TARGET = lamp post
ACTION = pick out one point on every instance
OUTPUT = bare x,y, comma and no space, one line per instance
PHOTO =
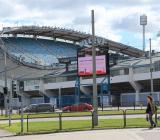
5,76
95,104
143,22
60,98
151,67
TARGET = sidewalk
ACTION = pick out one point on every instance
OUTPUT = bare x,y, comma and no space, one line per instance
114,134
4,133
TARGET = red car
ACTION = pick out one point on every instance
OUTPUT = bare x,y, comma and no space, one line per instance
79,107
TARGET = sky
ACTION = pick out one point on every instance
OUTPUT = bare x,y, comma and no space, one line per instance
117,20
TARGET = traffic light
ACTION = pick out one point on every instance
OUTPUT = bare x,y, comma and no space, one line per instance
5,90
21,86
14,89
20,98
104,88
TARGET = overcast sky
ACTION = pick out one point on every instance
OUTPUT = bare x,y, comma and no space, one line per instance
117,20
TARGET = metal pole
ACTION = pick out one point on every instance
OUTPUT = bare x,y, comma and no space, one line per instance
10,97
102,101
60,98
144,38
5,76
109,91
102,96
21,110
78,93
60,121
95,106
22,119
151,68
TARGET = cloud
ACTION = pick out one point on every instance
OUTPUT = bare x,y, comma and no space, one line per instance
6,9
74,4
127,23
154,45
81,20
45,5
114,19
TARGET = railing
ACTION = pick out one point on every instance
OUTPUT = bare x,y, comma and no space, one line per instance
58,120
59,117
56,115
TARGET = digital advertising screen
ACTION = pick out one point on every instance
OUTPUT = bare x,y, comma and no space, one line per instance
85,66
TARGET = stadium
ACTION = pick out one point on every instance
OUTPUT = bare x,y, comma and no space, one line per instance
45,59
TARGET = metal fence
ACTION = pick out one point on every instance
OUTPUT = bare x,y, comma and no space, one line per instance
59,118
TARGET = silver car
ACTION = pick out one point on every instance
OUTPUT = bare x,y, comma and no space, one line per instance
43,107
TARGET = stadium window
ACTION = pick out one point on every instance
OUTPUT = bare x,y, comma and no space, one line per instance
142,69
121,72
114,72
50,80
71,78
61,79
157,66
126,71
36,82
31,82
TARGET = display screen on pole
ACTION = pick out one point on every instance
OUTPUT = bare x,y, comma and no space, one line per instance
85,66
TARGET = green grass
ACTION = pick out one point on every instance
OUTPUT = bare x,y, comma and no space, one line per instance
72,125
15,116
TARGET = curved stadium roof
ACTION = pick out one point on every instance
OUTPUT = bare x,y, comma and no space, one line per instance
71,35
60,33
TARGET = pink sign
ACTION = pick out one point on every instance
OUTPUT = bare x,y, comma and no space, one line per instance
85,67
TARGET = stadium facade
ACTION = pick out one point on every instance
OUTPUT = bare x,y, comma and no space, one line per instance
45,59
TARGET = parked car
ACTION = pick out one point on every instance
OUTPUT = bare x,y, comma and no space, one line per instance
78,107
43,107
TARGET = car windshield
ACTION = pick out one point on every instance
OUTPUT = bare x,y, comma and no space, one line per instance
31,106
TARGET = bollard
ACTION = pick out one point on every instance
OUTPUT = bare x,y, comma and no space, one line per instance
27,123
17,111
60,121
1,112
124,117
102,107
156,118
118,107
141,106
92,120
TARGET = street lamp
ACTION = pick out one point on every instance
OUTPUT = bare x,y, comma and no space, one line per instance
143,22
60,98
151,67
